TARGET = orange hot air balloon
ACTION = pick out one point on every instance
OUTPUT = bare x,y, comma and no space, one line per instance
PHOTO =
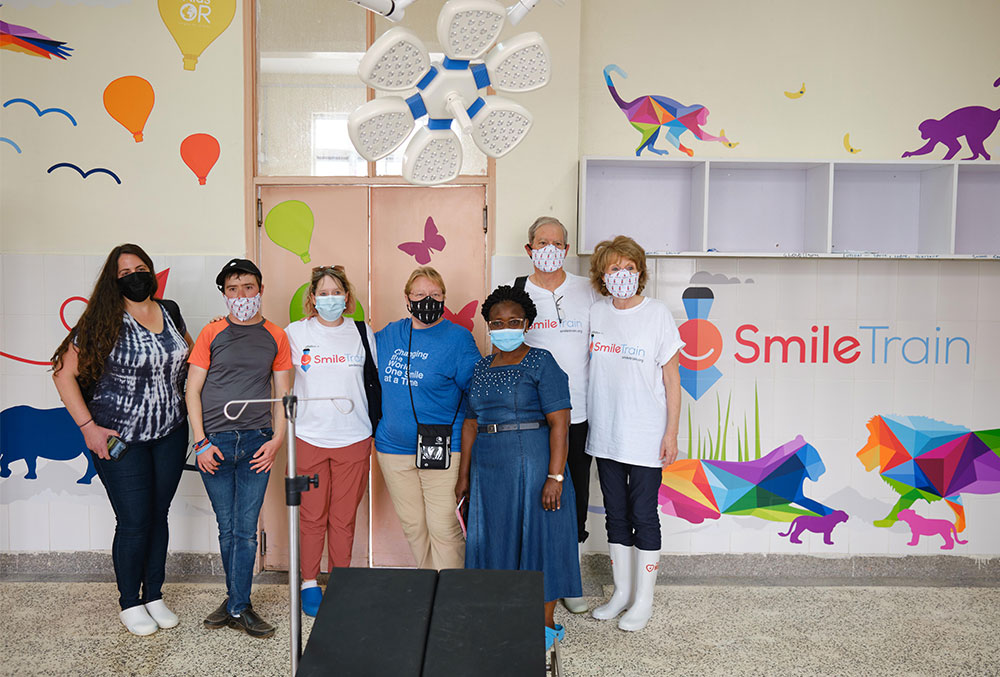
129,100
200,152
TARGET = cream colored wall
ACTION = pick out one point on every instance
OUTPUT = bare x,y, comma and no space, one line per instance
159,202
874,70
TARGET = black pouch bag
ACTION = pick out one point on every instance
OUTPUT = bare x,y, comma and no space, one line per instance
433,439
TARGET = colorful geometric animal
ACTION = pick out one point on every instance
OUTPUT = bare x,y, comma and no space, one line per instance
651,113
769,487
30,434
818,524
975,123
922,526
28,41
922,458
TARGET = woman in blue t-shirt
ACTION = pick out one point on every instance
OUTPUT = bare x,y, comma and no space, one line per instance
121,372
426,363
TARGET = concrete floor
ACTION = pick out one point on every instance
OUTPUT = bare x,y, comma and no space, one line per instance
72,628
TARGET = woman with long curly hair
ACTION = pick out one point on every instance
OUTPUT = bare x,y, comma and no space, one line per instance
120,372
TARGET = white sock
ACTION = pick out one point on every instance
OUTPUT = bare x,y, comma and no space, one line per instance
310,584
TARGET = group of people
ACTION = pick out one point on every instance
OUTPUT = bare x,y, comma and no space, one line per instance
499,447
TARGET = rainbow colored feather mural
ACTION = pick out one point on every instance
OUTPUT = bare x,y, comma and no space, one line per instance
770,487
921,458
29,41
651,113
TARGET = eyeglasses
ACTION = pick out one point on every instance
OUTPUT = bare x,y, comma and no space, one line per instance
437,296
559,310
328,269
512,323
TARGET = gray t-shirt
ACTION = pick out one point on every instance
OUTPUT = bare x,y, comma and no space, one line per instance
239,360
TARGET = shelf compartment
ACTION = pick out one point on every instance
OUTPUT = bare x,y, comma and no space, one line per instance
977,215
658,203
768,207
894,209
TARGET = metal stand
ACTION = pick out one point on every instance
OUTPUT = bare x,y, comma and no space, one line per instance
294,486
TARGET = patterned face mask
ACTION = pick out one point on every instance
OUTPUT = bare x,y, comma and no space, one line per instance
622,284
243,307
428,309
549,258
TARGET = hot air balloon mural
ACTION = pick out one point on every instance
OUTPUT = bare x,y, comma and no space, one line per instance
200,152
194,24
129,100
289,224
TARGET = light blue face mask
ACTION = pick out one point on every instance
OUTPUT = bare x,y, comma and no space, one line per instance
507,339
330,308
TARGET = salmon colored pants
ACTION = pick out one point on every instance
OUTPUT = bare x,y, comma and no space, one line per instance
329,512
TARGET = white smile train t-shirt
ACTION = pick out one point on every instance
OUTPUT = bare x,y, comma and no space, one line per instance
329,362
626,399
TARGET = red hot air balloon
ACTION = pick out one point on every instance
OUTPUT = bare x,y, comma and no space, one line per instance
200,152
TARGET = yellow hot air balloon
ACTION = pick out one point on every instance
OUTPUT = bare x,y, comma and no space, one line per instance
195,24
289,224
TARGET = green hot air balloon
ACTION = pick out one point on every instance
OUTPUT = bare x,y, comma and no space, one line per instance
296,310
289,224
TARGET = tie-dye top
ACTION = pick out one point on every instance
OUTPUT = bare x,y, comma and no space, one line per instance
141,392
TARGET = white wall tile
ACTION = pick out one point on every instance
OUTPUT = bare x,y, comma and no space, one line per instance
64,276
29,389
4,523
69,527
23,284
917,290
102,526
837,290
758,299
797,285
867,539
877,285
22,337
989,290
958,290
711,537
29,526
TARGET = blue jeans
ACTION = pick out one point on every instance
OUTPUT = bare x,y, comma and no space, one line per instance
140,487
630,498
237,492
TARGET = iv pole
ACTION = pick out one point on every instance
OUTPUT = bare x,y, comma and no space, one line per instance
294,486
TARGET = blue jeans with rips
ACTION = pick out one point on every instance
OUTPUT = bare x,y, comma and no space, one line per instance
237,493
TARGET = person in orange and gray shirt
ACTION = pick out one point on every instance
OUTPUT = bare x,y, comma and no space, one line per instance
236,359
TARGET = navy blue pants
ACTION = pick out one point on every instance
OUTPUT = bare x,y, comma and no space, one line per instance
630,493
579,469
140,487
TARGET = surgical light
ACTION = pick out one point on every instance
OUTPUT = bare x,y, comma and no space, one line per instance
390,9
447,90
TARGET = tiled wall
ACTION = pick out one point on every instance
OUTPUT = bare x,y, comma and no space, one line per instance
828,404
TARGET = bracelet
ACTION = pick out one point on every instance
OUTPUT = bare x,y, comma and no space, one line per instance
200,447
89,420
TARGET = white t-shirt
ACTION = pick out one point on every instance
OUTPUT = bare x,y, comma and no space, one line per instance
329,362
627,402
563,327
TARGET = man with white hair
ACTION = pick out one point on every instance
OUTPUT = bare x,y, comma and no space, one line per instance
562,327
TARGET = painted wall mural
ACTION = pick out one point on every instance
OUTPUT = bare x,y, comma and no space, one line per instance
29,41
129,100
27,434
290,225
432,240
975,123
195,24
652,113
200,152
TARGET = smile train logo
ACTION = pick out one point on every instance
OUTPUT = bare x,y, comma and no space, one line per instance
702,343
306,360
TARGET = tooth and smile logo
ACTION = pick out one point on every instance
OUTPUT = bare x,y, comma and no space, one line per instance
702,343
306,361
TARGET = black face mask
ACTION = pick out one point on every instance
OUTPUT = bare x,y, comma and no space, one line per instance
137,286
428,309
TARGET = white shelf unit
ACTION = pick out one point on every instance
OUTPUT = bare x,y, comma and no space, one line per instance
830,209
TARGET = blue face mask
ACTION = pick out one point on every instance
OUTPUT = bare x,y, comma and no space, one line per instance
330,308
507,339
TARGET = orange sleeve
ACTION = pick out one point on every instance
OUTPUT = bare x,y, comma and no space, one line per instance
201,352
283,358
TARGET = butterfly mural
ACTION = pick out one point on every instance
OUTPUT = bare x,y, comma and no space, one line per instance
433,240
464,317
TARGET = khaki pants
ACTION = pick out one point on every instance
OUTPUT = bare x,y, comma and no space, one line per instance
425,504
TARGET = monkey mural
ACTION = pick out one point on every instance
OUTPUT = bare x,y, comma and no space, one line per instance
651,113
975,123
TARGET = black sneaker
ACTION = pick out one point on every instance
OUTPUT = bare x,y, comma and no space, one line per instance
252,624
218,618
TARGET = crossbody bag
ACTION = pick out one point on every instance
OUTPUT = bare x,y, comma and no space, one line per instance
433,439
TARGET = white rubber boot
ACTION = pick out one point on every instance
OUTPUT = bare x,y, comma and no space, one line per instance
646,564
164,617
622,567
576,605
138,621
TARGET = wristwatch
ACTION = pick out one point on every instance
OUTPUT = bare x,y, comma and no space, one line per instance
557,478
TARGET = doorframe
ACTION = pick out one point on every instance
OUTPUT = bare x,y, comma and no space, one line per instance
252,181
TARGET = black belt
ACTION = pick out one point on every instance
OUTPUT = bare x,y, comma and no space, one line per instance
507,427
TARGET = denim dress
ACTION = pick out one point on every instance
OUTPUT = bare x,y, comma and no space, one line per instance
507,526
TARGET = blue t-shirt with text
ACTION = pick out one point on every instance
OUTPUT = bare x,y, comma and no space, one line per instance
441,362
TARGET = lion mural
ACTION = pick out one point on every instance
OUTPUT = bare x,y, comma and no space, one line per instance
921,458
769,487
